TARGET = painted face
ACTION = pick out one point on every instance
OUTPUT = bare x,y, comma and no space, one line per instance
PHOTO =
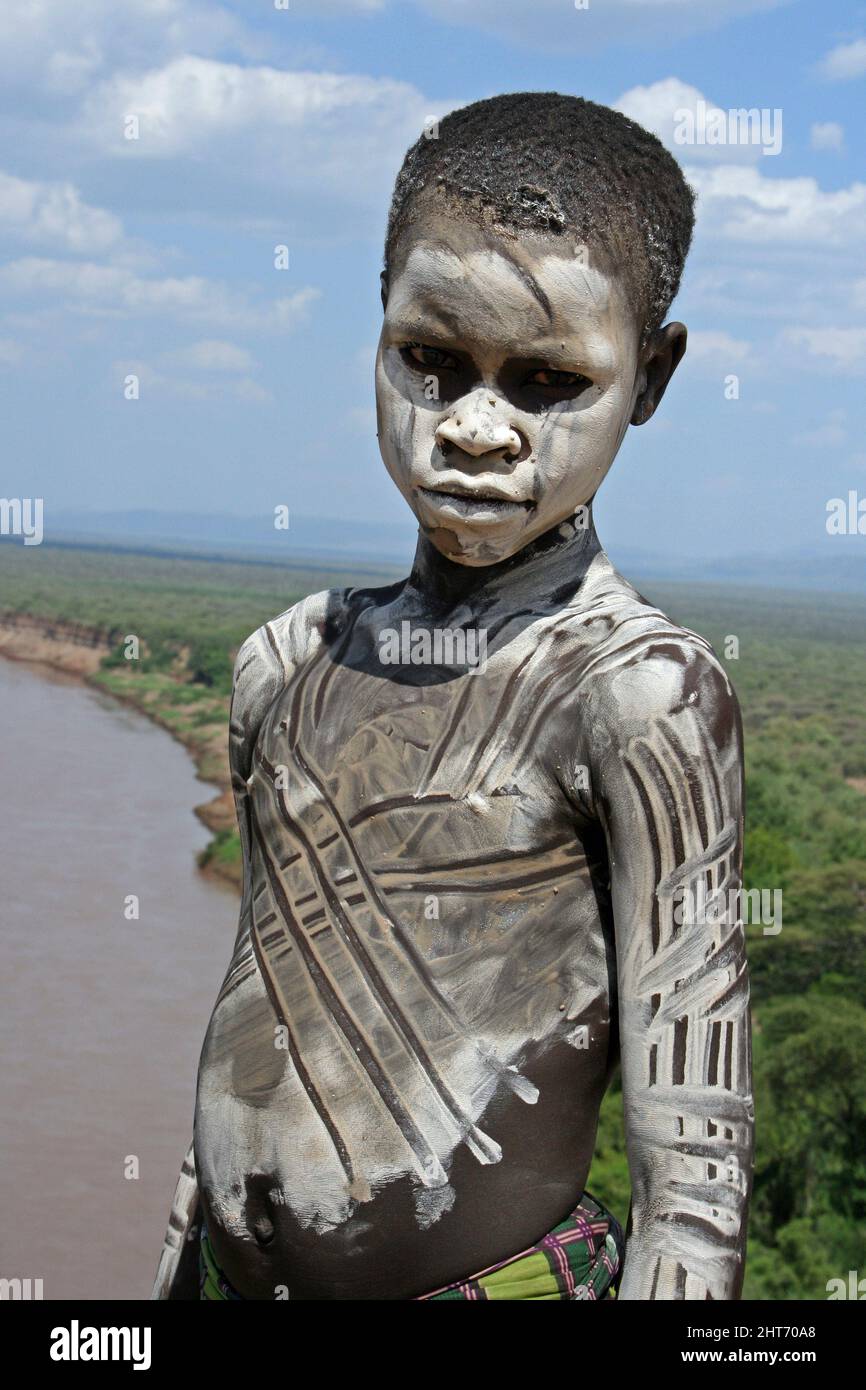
506,376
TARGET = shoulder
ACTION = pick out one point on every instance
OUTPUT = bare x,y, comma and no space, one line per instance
662,674
646,666
652,692
282,642
266,659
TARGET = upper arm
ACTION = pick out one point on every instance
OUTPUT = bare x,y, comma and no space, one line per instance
259,674
263,667
668,778
668,788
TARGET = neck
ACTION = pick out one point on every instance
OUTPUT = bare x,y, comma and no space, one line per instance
559,559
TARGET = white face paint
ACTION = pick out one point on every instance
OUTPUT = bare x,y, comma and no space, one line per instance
506,376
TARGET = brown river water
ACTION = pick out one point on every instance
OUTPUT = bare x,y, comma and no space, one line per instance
101,1018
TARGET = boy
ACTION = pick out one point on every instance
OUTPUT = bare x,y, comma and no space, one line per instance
471,803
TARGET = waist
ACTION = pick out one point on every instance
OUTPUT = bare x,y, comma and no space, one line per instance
392,1233
579,1259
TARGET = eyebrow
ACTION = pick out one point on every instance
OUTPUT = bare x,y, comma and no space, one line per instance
429,313
452,338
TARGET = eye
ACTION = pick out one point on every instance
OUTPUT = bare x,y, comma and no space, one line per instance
562,383
431,358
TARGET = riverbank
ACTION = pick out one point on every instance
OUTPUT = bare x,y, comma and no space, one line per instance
194,716
96,819
799,672
73,607
71,647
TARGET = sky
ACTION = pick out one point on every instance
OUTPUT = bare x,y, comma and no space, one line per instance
153,154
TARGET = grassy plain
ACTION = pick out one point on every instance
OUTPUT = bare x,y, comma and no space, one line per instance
799,667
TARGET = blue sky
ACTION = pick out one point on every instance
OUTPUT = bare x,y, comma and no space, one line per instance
260,127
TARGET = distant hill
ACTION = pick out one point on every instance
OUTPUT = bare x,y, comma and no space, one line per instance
837,565
250,536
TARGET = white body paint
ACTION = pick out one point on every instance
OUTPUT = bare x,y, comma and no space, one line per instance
419,1039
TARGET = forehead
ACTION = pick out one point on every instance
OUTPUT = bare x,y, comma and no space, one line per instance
463,283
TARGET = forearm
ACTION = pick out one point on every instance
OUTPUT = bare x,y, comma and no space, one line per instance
177,1274
690,1155
686,1057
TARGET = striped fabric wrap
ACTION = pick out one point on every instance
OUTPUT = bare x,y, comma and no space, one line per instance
580,1259
214,1287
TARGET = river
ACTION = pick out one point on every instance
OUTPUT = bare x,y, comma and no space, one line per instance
101,1017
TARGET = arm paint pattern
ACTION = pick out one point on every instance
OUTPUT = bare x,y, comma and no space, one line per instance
672,806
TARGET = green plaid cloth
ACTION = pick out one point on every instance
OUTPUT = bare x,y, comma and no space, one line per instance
581,1258
214,1287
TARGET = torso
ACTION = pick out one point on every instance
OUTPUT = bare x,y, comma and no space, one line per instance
401,1079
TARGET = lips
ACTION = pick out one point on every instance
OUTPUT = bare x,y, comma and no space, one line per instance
465,502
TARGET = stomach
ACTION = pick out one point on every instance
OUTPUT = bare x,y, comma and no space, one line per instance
327,1175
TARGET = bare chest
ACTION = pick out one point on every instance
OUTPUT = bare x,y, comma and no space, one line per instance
423,915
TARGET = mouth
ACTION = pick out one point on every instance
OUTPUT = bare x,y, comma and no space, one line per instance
474,504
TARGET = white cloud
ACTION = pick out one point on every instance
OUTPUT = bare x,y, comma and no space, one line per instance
844,347
114,291
192,100
556,25
745,205
677,113
721,347
846,61
164,379
323,9
826,135
54,214
65,48
212,355
335,139
732,282
830,435
248,390
654,106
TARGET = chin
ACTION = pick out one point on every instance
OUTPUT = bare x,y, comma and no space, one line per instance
475,551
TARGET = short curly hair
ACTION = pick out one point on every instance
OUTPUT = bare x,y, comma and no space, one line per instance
554,163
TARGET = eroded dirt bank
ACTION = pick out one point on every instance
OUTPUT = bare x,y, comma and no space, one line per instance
79,651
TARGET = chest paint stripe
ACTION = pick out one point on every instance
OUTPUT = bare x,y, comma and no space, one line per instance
379,905
429,1164
485,1150
500,885
398,803
485,861
279,1006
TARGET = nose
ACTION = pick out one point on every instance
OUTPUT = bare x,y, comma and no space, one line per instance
478,425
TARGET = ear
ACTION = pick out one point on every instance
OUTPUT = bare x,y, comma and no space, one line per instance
661,355
383,285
